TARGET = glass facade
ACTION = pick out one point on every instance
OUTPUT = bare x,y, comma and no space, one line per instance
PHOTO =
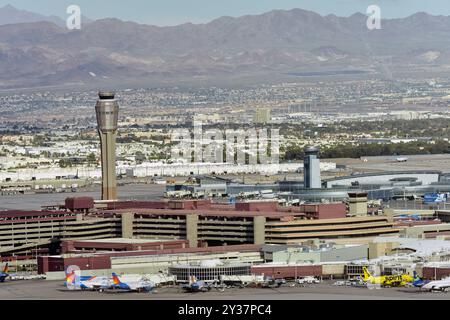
208,273
353,271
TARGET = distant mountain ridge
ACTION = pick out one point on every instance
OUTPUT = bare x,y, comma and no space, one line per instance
11,15
111,51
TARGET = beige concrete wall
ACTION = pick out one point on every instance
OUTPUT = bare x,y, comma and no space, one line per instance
381,249
358,208
376,250
418,231
192,230
127,225
335,270
259,230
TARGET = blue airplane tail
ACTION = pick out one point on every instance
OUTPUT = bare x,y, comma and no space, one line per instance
119,284
418,282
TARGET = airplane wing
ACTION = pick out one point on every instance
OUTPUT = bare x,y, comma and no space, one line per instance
136,285
97,283
444,283
440,285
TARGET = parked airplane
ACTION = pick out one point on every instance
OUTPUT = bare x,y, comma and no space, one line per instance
434,198
80,278
418,282
438,285
4,274
74,282
134,285
196,286
387,281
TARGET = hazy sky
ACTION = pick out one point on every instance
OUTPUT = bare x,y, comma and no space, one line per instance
171,12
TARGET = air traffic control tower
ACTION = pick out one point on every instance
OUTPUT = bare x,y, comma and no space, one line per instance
311,169
107,110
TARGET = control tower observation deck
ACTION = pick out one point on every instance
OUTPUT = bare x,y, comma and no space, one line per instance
107,111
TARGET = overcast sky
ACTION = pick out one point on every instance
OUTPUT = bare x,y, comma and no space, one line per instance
172,12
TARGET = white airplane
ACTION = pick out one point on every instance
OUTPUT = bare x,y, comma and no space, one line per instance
133,285
438,285
73,282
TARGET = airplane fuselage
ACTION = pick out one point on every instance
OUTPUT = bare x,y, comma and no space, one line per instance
391,281
197,286
439,285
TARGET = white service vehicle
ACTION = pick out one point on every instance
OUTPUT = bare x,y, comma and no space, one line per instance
308,280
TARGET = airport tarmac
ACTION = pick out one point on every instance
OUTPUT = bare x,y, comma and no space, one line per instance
35,201
438,162
55,290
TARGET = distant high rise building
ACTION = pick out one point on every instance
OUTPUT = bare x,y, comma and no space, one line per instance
311,169
107,110
262,116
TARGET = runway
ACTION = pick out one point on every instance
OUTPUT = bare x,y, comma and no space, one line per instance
438,162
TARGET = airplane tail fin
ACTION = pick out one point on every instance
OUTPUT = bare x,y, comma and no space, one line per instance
116,280
6,268
417,281
192,279
367,274
71,279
